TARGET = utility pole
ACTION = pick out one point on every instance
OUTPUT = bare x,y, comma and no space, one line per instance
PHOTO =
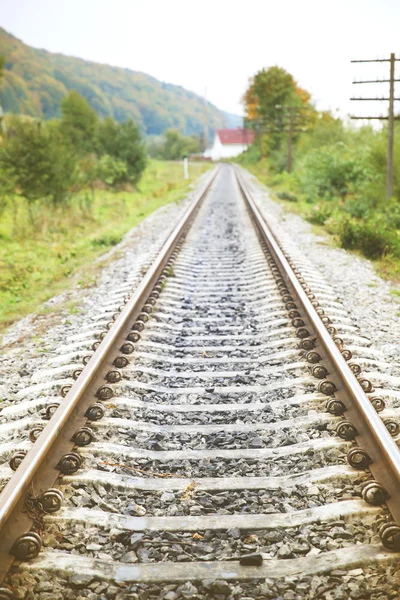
288,119
290,140
2,121
389,180
205,120
390,118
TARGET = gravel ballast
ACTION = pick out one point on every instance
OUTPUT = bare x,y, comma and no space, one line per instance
149,432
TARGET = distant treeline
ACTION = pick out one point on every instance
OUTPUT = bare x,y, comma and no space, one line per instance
35,82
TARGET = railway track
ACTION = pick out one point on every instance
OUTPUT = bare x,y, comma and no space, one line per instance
222,440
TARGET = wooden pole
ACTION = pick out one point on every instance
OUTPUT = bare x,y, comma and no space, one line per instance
290,141
205,120
389,180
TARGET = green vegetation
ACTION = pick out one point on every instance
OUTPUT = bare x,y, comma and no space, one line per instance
41,250
35,82
173,146
338,179
70,188
48,162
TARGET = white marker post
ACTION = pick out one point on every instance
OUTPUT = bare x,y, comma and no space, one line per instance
185,167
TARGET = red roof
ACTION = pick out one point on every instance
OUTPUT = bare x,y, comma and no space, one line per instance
235,136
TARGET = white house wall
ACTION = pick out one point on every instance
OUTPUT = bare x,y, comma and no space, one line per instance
218,150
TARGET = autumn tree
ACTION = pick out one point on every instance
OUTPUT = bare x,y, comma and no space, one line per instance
267,100
268,89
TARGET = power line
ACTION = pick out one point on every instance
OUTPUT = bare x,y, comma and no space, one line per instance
390,118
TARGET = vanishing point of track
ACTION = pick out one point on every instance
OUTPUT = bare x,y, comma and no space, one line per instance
220,386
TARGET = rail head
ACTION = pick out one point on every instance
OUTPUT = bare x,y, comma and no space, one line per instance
39,469
373,436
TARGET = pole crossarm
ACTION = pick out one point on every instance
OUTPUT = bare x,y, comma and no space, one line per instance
391,118
376,99
375,81
376,60
285,119
379,118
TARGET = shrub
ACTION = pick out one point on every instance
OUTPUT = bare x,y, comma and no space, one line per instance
331,171
106,241
320,213
287,196
372,237
357,207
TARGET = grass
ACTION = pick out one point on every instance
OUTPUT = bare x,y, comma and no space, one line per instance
41,252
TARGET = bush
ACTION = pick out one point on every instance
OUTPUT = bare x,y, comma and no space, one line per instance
332,171
106,240
287,196
372,237
320,213
357,207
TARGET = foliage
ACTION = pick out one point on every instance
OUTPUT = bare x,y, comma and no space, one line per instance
173,146
130,149
111,170
320,213
325,130
331,171
38,259
37,164
339,174
287,196
49,161
78,123
122,142
372,236
271,88
35,81
271,94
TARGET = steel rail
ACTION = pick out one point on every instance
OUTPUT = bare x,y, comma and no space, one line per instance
373,437
38,471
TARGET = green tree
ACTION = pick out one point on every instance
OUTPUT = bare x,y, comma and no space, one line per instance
37,162
174,146
78,123
123,142
2,63
111,170
108,137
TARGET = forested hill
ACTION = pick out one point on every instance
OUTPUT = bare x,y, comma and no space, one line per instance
35,81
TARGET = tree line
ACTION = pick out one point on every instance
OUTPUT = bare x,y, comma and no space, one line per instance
50,161
35,82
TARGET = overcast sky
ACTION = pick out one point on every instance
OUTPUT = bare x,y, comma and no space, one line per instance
218,44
